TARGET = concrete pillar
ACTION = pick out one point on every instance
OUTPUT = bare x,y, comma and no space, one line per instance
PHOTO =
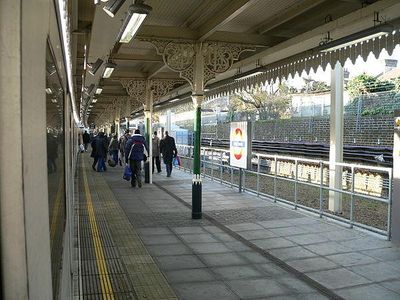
24,215
336,138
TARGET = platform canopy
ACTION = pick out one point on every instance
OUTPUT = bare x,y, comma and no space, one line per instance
247,42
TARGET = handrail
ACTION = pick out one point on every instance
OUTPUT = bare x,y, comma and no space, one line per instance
214,158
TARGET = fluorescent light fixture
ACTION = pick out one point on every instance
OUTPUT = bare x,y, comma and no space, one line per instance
112,7
89,89
109,68
247,75
51,69
94,100
49,91
99,90
136,15
95,66
54,100
357,37
90,106
174,100
158,105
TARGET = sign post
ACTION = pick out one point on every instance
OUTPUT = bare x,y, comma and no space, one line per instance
240,147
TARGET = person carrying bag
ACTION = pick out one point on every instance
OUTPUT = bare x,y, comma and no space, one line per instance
134,149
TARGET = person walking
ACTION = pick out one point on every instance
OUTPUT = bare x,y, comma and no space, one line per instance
113,148
122,143
134,154
156,152
93,154
169,151
86,140
101,152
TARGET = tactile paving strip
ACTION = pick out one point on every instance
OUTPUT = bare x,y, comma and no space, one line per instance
112,271
130,269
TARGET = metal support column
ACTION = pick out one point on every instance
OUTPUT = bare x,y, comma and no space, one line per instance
336,139
148,108
197,97
168,122
197,182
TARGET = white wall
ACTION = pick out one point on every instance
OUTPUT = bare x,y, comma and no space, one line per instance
24,216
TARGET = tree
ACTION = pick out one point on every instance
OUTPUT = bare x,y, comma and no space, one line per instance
365,84
314,86
270,104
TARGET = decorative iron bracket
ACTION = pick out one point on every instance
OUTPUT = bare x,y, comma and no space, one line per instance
180,56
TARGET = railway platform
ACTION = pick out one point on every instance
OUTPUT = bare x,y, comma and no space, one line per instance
142,244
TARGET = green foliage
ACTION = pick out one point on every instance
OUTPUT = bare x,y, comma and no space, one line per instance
380,110
314,86
365,84
273,103
397,84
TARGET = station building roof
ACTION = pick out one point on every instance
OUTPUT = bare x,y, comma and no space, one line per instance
277,38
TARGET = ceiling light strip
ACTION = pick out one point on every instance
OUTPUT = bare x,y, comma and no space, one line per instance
66,40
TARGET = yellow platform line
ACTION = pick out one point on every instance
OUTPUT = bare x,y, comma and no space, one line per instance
105,282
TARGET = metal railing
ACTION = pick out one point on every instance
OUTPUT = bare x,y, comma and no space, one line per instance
365,192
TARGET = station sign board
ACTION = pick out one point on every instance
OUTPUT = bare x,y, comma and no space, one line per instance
240,144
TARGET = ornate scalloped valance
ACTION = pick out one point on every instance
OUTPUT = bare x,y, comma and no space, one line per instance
310,60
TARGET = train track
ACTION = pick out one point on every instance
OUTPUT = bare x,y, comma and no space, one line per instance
361,154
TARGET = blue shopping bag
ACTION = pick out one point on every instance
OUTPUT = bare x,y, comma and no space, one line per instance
177,161
127,173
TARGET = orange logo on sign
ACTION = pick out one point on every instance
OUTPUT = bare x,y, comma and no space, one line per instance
238,144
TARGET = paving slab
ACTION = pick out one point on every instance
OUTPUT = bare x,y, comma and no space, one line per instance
273,243
328,248
238,272
198,238
292,253
190,275
257,234
307,239
371,291
223,259
257,288
393,285
338,278
384,254
169,249
177,262
351,259
160,239
312,264
205,290
202,248
377,271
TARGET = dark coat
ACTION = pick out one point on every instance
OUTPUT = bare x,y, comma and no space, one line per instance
168,149
93,144
137,143
101,146
86,138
